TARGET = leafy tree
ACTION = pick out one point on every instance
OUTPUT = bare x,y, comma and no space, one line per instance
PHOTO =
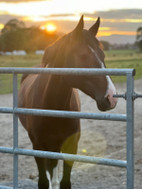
106,45
139,38
15,36
12,36
12,40
37,39
13,25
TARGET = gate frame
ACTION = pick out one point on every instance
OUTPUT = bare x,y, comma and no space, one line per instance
128,117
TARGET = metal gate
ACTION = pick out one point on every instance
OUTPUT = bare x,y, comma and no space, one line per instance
128,118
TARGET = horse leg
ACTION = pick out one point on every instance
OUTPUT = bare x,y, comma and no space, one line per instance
67,166
55,177
65,182
52,172
70,146
43,182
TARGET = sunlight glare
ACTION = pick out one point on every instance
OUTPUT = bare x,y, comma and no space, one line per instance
1,26
34,18
49,27
109,33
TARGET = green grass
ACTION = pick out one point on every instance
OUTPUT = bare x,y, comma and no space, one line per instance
20,61
124,59
15,61
114,59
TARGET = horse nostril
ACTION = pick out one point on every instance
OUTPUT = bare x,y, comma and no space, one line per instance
112,101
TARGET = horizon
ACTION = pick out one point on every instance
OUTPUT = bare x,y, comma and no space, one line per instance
117,19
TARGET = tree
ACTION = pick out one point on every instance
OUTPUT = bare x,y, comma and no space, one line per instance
15,36
139,38
12,40
106,45
12,36
13,25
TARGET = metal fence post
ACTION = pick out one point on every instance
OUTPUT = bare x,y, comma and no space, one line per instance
15,132
130,131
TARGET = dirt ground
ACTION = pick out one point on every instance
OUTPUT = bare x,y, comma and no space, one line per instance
99,138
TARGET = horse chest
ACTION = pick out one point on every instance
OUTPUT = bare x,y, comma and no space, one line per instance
52,132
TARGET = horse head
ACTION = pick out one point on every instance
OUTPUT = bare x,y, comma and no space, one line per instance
84,51
81,49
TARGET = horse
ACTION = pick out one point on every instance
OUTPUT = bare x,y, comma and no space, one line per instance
77,49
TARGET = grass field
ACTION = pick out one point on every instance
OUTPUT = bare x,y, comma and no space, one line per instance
114,59
15,61
124,59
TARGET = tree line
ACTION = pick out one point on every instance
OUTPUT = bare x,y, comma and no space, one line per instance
139,38
16,36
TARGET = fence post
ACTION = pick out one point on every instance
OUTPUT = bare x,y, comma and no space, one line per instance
15,132
130,130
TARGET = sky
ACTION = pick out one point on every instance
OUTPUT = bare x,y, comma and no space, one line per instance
121,17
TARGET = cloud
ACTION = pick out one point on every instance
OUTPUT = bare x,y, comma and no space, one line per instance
17,1
120,14
5,17
119,20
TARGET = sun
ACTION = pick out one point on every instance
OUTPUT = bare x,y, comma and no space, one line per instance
1,26
49,27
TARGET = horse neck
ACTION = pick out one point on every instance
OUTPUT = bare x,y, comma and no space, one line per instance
57,93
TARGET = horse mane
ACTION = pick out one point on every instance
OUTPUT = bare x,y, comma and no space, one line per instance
54,51
25,75
51,53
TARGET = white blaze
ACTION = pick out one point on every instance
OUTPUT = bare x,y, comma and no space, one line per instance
111,90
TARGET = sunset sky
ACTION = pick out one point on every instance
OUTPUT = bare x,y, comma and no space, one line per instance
121,17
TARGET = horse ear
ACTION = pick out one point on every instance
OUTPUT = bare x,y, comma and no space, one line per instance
95,27
80,25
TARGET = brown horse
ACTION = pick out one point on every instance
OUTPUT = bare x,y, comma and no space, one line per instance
78,49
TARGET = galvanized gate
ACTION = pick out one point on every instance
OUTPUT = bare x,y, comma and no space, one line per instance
128,118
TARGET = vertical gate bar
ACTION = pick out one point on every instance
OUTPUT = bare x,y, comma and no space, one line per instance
130,131
15,132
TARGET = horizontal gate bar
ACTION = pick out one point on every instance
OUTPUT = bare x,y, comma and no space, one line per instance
5,187
65,114
64,156
69,71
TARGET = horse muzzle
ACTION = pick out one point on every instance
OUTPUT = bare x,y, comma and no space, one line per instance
107,103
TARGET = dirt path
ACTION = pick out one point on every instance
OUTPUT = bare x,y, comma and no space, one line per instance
99,138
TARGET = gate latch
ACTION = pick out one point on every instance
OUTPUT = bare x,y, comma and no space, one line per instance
134,96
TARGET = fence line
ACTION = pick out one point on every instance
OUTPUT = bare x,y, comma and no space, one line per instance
129,118
64,156
68,71
65,114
